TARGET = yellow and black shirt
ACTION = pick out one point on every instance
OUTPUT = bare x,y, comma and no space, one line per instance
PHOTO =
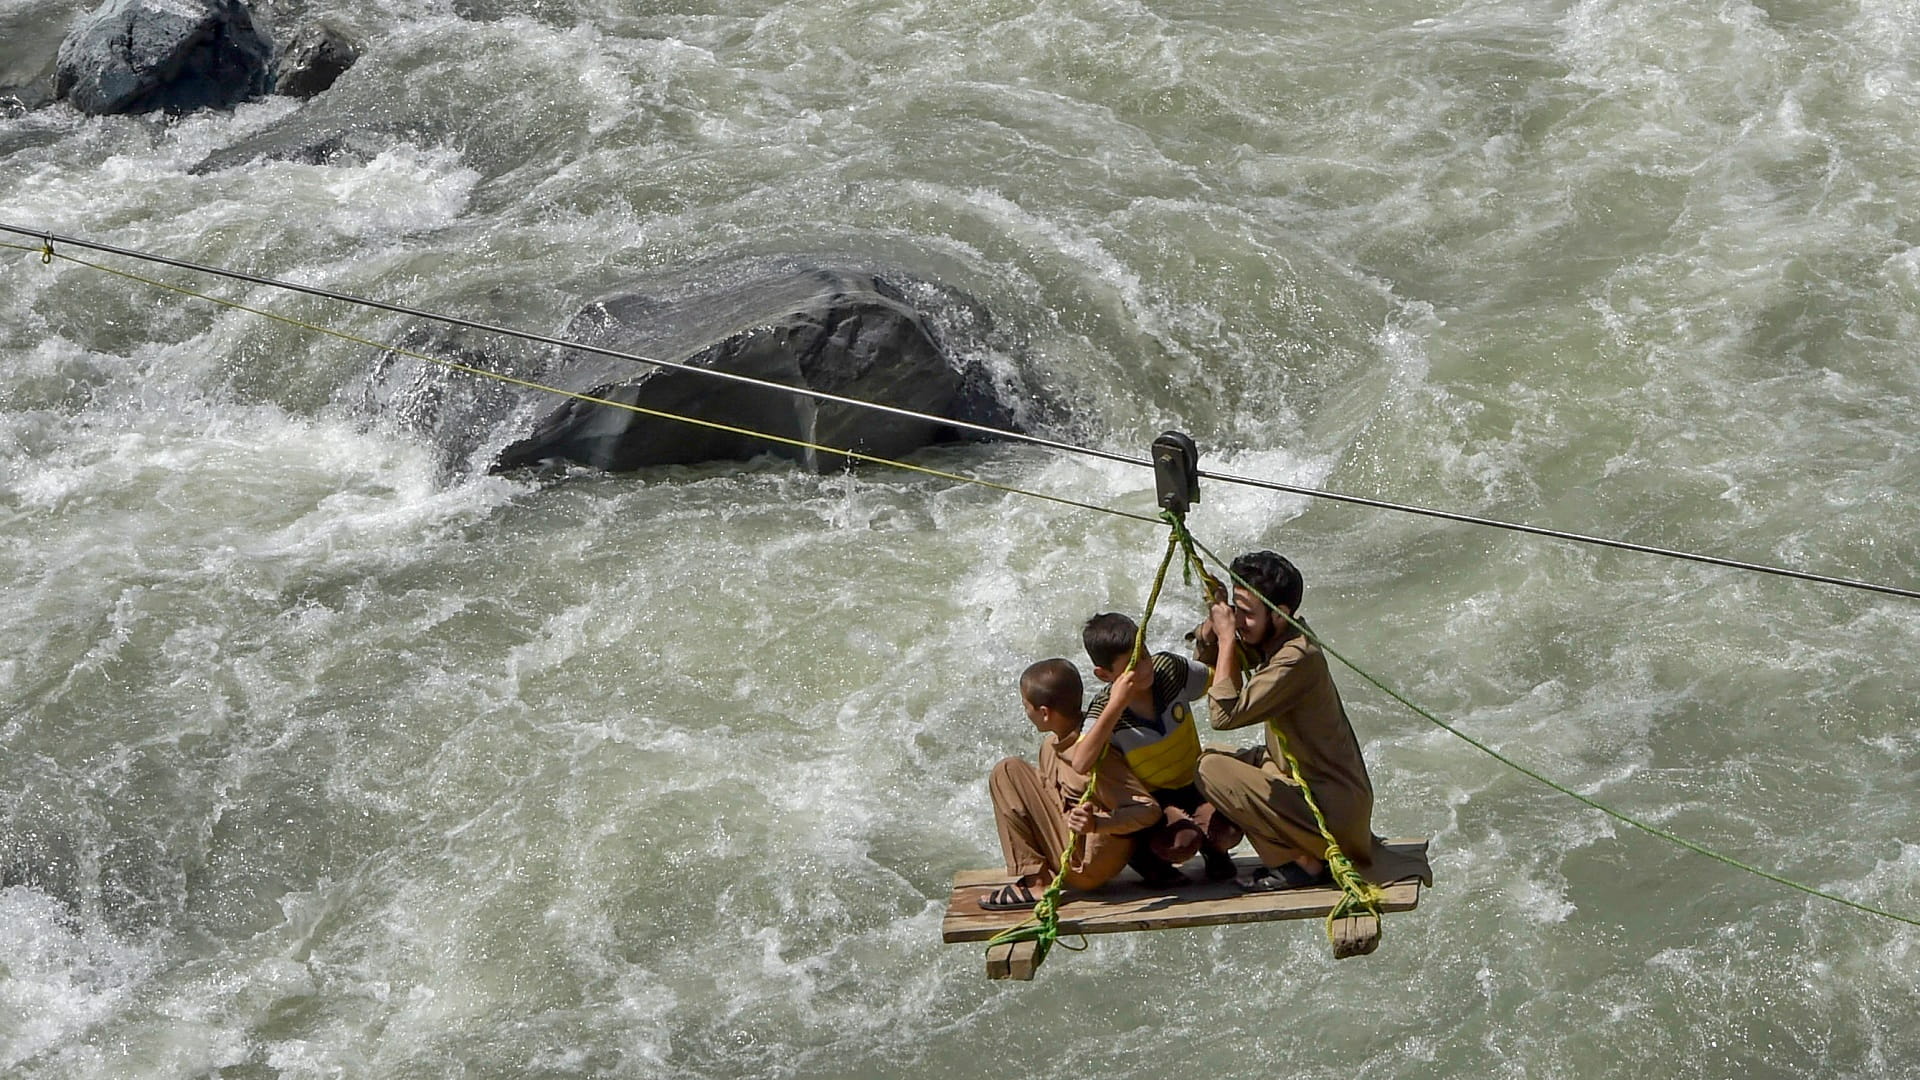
1164,748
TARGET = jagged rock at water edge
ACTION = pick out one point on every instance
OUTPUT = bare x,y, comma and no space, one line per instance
138,56
318,54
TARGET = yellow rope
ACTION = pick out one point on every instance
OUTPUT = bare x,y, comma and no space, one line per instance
1356,891
48,254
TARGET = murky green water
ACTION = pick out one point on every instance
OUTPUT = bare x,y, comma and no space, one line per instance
320,758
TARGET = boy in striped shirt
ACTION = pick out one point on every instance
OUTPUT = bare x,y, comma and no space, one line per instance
1161,743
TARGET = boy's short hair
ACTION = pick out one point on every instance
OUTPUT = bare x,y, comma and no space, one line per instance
1054,684
1272,576
1109,638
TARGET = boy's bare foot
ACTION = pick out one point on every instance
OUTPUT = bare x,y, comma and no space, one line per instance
1178,841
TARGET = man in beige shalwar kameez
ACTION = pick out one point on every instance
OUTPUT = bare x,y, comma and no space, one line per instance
1283,682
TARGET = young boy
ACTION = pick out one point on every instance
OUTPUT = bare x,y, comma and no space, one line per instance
1037,809
1159,739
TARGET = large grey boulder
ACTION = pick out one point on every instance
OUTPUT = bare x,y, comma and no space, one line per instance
136,56
844,332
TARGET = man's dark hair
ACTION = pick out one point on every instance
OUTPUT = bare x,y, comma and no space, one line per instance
1109,638
1272,576
1056,684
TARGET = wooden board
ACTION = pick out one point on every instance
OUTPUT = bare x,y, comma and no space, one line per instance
1012,960
1128,904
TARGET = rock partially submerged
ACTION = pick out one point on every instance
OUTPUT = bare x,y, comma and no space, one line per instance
16,101
30,35
13,103
137,56
318,54
309,139
456,413
843,332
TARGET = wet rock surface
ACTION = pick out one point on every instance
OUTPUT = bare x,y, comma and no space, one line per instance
312,59
175,56
849,333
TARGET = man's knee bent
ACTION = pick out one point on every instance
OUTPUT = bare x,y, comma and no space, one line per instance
1215,774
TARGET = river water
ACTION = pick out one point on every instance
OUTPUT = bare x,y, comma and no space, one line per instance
322,755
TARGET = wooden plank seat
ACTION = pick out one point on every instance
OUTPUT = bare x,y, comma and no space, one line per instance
1128,904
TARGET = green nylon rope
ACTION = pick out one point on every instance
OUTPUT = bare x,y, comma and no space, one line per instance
1356,892
1043,926
47,254
1654,830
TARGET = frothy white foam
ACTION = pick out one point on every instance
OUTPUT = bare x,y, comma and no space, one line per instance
59,974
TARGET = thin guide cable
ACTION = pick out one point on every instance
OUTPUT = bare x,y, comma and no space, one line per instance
47,254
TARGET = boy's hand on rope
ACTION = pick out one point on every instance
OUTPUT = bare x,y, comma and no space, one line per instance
1134,686
1084,819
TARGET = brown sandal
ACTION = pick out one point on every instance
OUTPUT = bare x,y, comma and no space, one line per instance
1012,897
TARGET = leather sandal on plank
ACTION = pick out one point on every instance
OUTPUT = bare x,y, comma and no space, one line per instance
1014,897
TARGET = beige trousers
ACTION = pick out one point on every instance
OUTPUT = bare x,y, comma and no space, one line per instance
1032,819
1259,796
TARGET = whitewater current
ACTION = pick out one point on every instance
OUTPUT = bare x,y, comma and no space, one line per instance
326,753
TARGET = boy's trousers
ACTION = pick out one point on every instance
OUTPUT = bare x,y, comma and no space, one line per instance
1032,818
